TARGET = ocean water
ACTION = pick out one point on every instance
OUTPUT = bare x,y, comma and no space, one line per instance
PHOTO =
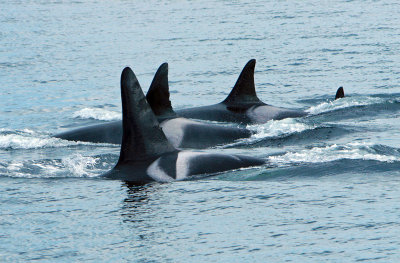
330,189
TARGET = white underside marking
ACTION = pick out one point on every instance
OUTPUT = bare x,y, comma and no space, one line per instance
262,113
157,173
174,130
183,163
184,159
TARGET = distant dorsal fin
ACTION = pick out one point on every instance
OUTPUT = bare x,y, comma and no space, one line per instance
142,137
158,93
339,93
244,90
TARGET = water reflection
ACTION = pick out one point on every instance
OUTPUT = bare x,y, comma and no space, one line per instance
136,207
137,193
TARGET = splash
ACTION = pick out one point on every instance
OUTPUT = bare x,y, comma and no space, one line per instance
28,139
79,165
361,151
97,114
73,166
272,129
344,103
275,128
17,141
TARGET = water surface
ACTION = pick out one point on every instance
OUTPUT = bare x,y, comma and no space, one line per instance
328,193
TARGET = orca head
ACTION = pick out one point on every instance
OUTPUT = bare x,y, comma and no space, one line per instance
243,93
142,137
158,94
339,93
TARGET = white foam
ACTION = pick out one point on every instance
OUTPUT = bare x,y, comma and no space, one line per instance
18,141
73,166
343,103
15,166
13,169
98,114
32,140
48,169
361,151
275,128
80,165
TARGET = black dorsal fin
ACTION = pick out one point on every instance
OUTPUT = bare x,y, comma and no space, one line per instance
142,137
244,90
158,93
339,93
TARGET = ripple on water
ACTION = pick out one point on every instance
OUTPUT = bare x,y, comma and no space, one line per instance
331,189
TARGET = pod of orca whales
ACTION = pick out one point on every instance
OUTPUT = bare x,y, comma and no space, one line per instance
152,133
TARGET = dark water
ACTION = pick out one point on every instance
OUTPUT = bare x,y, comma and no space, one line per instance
329,191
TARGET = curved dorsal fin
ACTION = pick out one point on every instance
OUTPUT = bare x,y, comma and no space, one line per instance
142,137
339,93
244,90
158,93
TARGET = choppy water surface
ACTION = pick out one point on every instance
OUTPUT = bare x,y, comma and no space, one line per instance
330,190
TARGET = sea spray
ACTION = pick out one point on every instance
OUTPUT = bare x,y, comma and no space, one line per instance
97,114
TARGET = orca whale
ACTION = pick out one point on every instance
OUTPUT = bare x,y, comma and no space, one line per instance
242,105
146,155
181,132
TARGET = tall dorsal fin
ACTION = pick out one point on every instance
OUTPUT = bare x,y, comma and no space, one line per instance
244,90
142,137
158,93
339,93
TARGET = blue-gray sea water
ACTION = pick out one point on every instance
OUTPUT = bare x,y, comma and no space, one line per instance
330,191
